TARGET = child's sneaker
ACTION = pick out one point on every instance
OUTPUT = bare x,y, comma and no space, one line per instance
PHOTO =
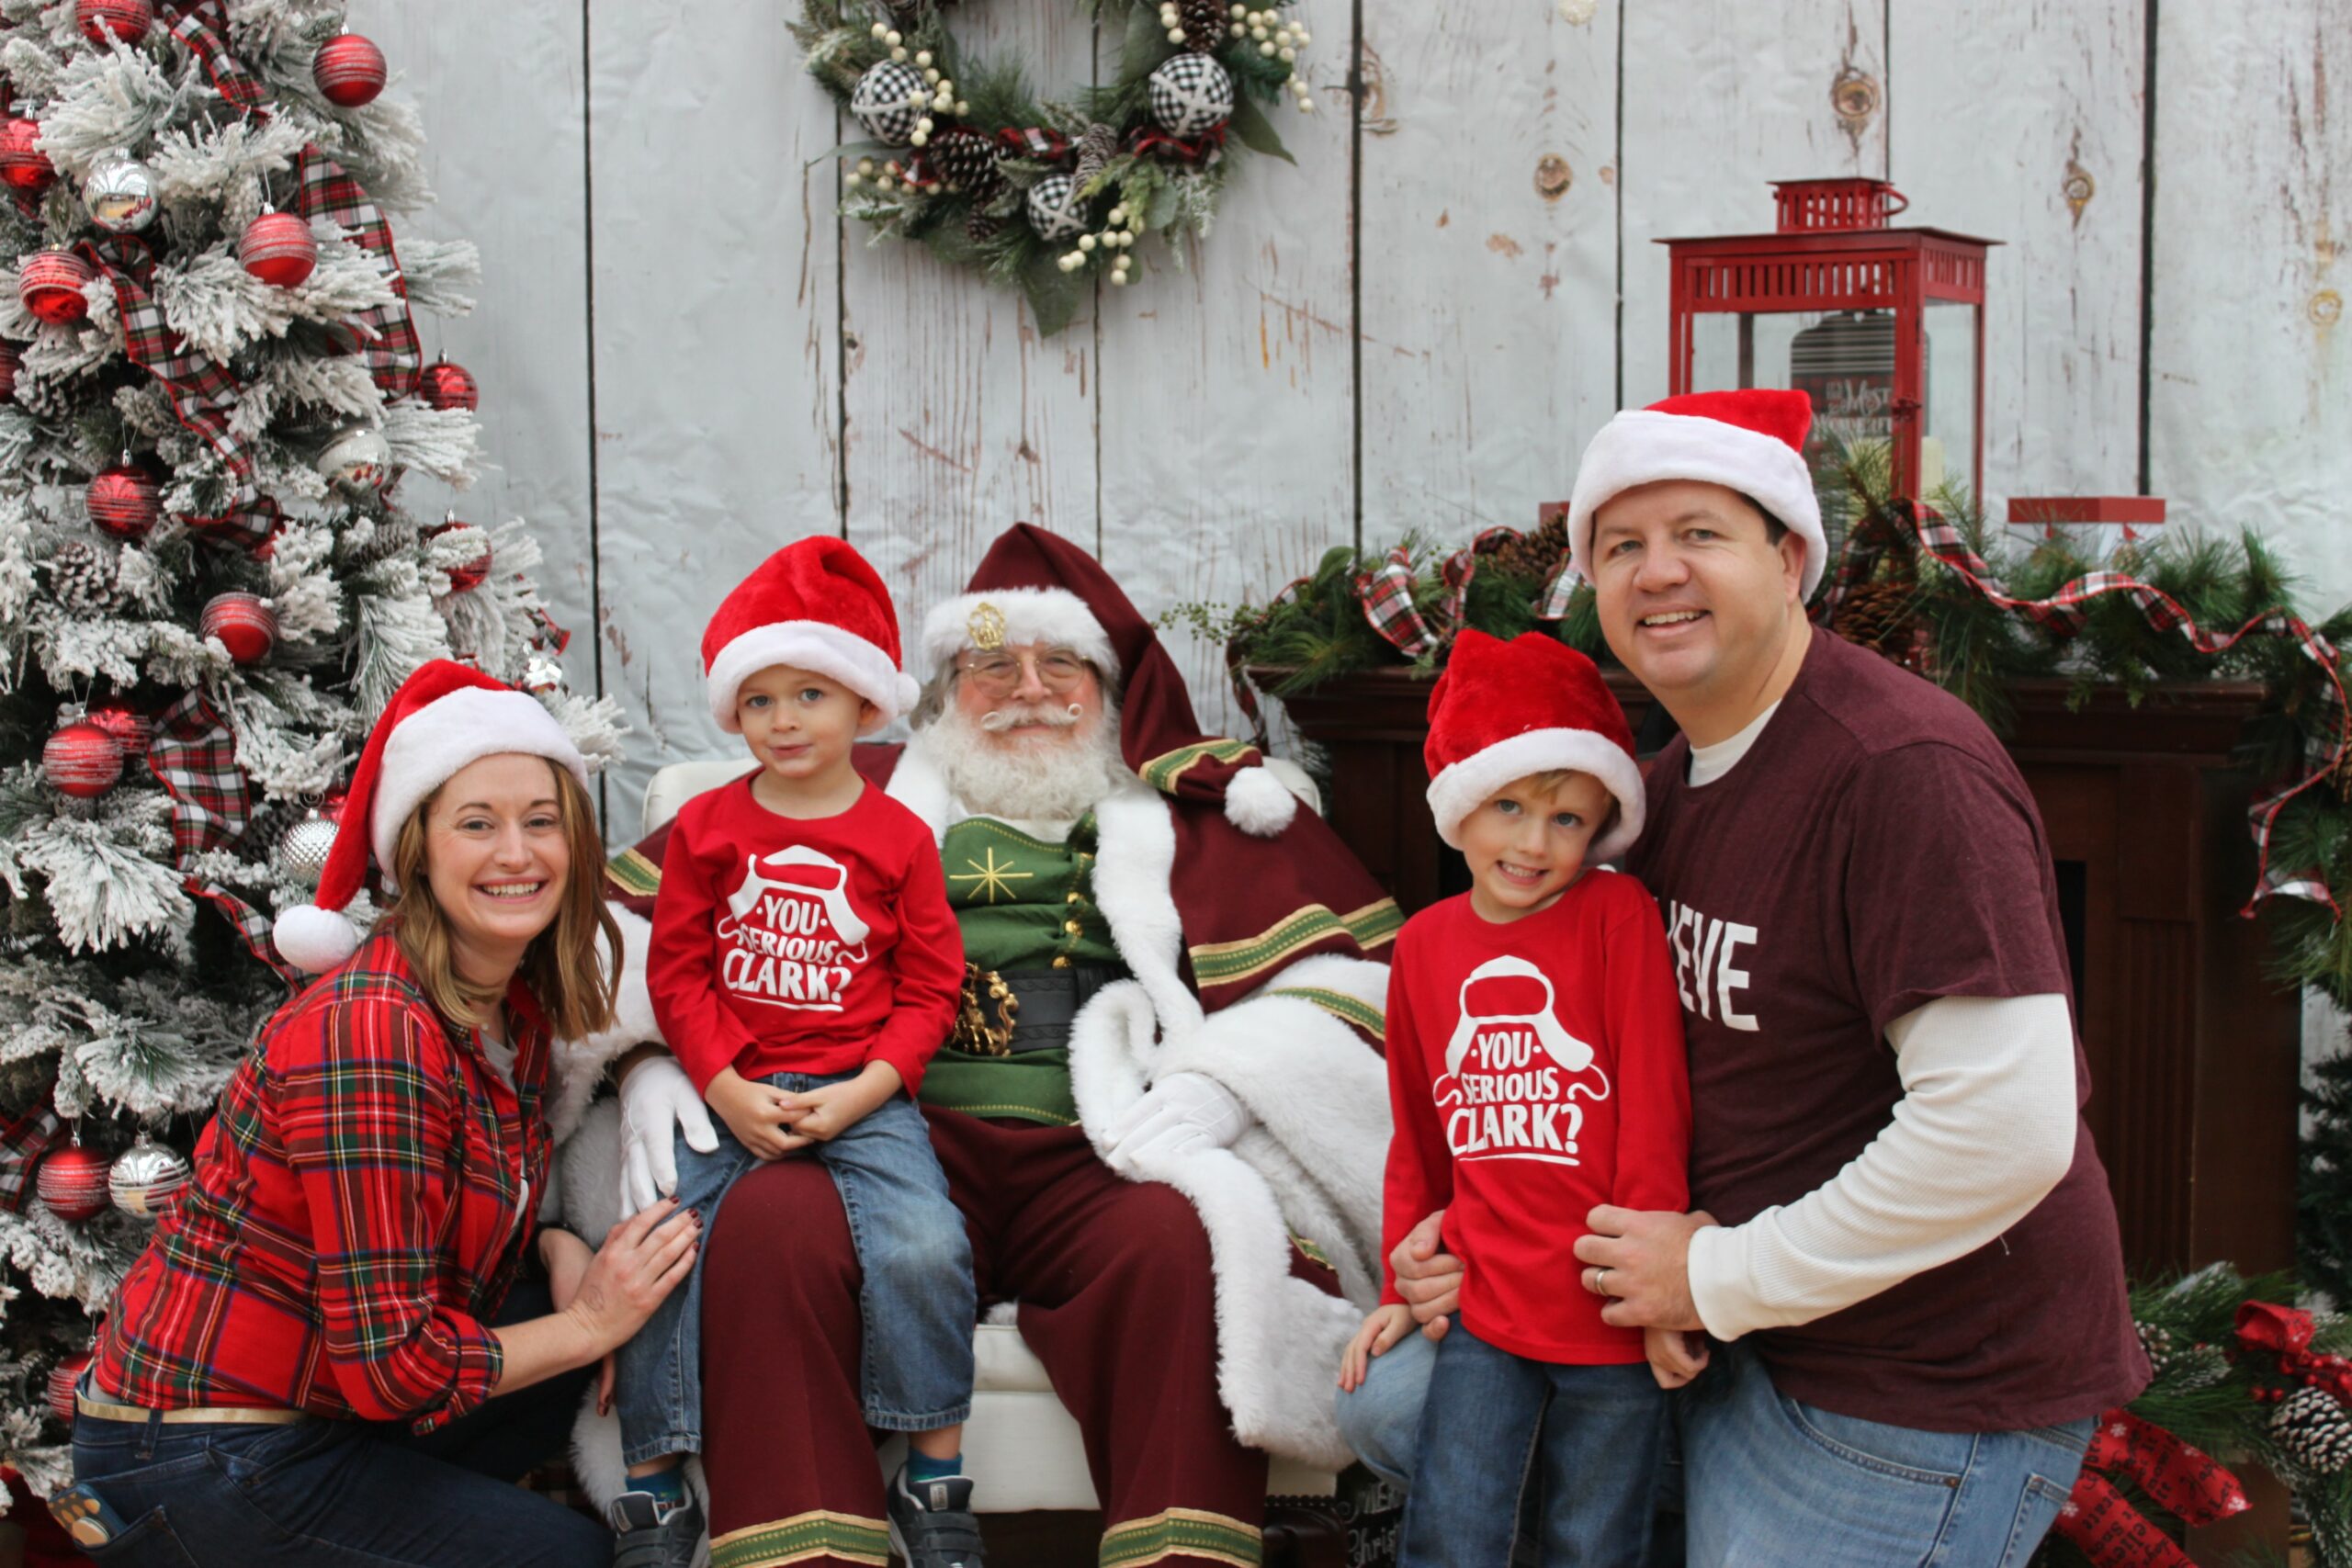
932,1523
648,1534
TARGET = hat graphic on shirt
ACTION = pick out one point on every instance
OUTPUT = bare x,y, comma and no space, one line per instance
1567,1053
833,899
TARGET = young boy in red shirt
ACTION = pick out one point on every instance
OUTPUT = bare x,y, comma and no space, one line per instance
1535,1069
805,966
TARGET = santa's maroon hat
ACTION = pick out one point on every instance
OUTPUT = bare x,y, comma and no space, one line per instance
1504,710
817,605
1751,441
444,718
1036,587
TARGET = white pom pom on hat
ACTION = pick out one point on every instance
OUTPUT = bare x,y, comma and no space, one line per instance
444,718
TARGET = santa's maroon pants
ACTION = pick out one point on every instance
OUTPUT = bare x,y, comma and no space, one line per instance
1117,1298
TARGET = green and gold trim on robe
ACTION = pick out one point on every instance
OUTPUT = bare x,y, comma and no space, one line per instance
633,876
804,1538
1165,771
1232,963
1178,1532
1351,1011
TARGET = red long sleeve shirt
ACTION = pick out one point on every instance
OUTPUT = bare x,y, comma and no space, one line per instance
1535,1069
782,945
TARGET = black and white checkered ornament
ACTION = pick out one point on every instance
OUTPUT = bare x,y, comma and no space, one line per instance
889,98
1191,96
1055,211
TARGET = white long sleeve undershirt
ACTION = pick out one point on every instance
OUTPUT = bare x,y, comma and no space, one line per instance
1985,1129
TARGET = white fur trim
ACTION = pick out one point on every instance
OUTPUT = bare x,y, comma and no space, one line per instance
580,1064
1054,616
919,785
1466,784
1135,858
1642,446
448,734
818,647
314,939
1258,802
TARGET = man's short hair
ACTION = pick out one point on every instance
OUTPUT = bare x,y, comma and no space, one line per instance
1774,529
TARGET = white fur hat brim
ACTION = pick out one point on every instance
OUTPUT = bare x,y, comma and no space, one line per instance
1643,446
452,732
817,647
1052,616
1468,783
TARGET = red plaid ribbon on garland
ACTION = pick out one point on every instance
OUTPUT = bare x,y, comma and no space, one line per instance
22,1143
201,392
394,354
1146,143
2063,613
203,26
1386,594
2103,1525
194,755
1034,141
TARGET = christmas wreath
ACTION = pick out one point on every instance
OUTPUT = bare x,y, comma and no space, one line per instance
1048,194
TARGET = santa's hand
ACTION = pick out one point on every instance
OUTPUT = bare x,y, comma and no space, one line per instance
1181,1113
658,1102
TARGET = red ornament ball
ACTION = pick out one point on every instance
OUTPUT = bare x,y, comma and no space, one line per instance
23,166
82,761
102,19
49,285
469,576
276,247
72,1182
12,359
130,727
62,1379
244,622
349,71
124,500
445,384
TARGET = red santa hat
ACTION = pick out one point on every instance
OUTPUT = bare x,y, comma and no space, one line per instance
445,717
1504,710
817,605
1036,587
1751,441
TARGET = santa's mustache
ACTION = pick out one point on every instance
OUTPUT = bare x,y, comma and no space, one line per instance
996,721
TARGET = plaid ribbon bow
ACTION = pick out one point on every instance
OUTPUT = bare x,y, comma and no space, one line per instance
22,1143
203,26
194,755
2062,613
1034,141
201,392
1386,594
388,332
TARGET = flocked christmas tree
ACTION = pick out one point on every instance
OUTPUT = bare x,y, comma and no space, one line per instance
210,384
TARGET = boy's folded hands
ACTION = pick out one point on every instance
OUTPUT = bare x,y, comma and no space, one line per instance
773,1124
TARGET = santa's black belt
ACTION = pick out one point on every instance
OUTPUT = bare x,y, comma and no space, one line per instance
1006,1012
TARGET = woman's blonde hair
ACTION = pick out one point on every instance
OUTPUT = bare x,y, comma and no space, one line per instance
563,966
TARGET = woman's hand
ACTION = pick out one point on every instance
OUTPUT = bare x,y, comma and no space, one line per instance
566,1258
644,1259
821,1115
753,1112
1386,1325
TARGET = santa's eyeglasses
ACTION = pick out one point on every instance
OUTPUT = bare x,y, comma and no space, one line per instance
999,675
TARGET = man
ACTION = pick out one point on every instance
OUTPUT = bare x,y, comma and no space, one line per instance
1162,1115
1901,1230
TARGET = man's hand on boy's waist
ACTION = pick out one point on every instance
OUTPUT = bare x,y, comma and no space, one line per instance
1641,1259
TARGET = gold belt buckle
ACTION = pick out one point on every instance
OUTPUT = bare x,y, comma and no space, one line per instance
973,1034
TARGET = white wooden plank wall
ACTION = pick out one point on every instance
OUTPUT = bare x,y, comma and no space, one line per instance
1416,327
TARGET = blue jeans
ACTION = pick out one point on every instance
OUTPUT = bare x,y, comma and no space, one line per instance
1770,1480
917,1299
319,1494
1495,1423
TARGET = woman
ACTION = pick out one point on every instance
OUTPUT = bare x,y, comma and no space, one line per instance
296,1370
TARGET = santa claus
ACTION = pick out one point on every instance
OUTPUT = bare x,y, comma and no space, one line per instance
1163,1113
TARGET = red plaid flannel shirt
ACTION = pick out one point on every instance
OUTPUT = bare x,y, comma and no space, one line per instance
360,1203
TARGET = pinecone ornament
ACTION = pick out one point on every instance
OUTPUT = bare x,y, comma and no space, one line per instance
1097,147
966,159
1882,614
2311,1427
82,577
1532,554
1204,22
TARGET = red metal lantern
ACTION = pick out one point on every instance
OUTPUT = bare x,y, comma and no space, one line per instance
1885,327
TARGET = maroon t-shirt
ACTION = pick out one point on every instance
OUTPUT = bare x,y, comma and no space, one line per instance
1873,850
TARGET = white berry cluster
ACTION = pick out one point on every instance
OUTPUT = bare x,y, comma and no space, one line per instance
939,94
1276,39
1116,241
884,179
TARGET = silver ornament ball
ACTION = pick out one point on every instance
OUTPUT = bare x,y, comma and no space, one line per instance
1053,208
120,194
147,1178
302,851
541,673
356,460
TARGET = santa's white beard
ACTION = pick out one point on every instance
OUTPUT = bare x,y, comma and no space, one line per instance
1039,775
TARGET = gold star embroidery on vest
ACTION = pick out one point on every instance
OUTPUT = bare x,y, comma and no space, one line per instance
990,879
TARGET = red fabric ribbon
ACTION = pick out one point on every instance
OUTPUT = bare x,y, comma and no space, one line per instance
1034,141
2103,1525
1386,594
2286,1333
201,392
1146,142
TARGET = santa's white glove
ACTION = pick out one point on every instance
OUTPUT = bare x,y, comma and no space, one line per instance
658,1102
1180,1114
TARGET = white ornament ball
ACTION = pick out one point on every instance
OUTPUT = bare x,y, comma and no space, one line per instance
1191,96
148,1179
884,102
1055,211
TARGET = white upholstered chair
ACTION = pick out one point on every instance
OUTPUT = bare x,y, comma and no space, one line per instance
1021,1448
